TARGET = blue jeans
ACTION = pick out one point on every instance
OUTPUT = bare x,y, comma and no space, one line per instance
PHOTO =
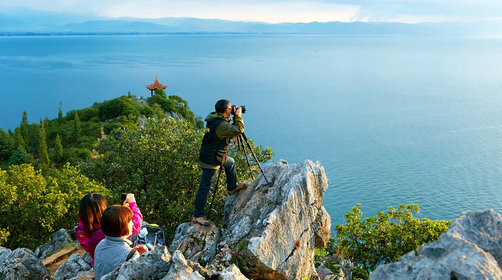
205,185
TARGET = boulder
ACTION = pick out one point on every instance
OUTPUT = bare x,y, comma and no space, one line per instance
274,228
151,265
59,240
182,269
73,268
21,264
469,249
335,267
197,243
232,273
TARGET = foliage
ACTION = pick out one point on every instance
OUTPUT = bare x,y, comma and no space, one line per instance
34,205
44,156
79,129
369,242
19,156
58,150
159,164
7,145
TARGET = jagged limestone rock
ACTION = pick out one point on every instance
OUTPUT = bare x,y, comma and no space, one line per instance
335,267
197,243
469,249
232,273
274,229
59,240
181,269
74,267
151,265
22,264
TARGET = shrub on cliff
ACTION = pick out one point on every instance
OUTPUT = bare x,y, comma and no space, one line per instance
35,205
159,163
384,238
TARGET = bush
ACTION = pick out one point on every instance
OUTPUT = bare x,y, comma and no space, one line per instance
159,163
34,205
373,241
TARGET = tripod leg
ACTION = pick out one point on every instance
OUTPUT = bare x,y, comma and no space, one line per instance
239,139
254,155
215,190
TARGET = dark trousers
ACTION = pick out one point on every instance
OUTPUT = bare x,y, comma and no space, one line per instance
205,185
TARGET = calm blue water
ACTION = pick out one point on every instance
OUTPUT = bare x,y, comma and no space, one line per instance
392,119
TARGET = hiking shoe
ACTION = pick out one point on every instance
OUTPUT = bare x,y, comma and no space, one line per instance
201,221
239,187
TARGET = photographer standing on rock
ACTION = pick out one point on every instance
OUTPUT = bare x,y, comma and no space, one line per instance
213,153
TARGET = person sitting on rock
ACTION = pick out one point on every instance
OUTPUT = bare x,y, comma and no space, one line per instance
88,231
117,225
213,154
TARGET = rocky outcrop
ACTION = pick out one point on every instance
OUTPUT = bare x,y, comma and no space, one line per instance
21,264
151,265
470,249
275,228
76,267
59,240
334,267
196,242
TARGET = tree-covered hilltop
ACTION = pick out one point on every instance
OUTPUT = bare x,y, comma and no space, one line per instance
73,137
148,147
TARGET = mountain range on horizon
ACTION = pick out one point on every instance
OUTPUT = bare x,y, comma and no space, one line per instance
20,22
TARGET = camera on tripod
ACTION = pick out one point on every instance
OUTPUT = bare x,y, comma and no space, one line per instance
235,107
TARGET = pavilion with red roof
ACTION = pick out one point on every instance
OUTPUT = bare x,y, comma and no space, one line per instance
156,85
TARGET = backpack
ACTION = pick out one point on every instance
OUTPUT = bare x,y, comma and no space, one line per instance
149,235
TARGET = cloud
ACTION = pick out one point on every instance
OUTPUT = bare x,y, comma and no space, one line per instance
269,11
278,10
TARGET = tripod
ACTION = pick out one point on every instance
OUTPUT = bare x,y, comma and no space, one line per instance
242,141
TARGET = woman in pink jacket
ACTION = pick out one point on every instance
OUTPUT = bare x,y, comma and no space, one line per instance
89,232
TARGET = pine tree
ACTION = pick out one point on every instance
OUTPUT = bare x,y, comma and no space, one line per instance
76,128
24,127
19,138
44,156
60,112
58,147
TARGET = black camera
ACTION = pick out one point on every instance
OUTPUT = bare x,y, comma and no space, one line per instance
235,107
123,196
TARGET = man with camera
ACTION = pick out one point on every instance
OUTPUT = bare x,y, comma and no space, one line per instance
213,153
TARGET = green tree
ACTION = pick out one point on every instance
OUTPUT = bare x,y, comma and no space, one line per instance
44,155
24,127
34,206
18,156
159,164
60,112
76,128
58,150
7,145
19,138
369,242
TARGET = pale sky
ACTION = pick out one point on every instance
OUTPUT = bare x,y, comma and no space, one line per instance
274,11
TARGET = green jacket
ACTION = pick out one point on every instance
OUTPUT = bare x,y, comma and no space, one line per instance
224,130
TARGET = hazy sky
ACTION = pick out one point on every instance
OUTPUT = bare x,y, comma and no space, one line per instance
410,11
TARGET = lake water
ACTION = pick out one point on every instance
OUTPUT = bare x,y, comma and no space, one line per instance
392,119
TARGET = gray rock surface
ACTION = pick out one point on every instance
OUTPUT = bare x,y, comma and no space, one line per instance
181,269
197,243
469,249
339,268
151,265
59,240
274,229
232,273
73,268
22,264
